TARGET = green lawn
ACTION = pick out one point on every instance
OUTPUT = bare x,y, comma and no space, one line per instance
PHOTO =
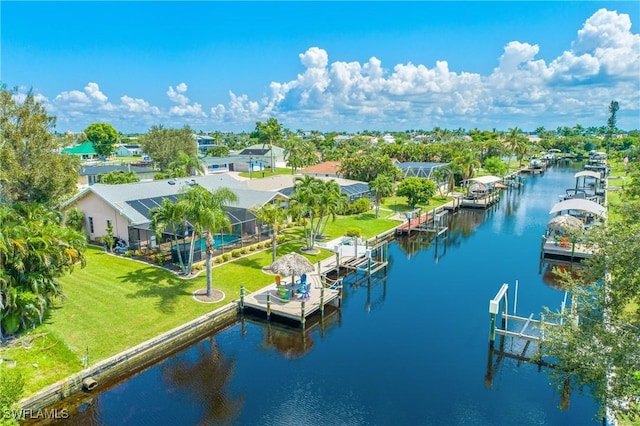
400,205
266,173
115,303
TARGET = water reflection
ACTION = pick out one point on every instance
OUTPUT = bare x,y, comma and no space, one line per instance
204,379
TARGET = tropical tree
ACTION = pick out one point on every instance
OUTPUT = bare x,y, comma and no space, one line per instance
269,134
103,137
417,190
163,145
317,202
74,219
597,344
190,164
382,186
444,177
169,215
611,123
517,143
204,210
272,215
299,153
495,166
118,177
36,248
31,167
467,162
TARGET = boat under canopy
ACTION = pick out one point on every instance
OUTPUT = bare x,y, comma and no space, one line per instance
579,204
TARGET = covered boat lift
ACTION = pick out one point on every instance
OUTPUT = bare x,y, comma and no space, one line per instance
482,191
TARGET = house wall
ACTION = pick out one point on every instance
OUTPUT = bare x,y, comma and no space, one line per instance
94,207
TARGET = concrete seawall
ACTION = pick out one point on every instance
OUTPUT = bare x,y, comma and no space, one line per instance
133,360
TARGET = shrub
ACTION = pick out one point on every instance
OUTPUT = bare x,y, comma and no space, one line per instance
197,267
281,238
353,232
360,205
244,250
128,253
235,253
218,259
252,248
226,256
260,245
267,244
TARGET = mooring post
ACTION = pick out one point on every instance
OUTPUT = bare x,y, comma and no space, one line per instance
241,298
322,299
338,264
268,306
302,317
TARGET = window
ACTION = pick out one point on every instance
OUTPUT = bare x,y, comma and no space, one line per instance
91,225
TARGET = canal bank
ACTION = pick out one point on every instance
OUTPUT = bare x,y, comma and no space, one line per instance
408,348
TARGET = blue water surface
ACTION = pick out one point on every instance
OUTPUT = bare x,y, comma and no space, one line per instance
411,349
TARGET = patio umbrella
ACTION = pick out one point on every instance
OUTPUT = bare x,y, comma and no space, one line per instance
565,222
292,264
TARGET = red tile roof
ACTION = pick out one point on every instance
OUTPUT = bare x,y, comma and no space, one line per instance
327,167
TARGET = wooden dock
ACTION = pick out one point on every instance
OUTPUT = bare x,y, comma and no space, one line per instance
563,251
295,308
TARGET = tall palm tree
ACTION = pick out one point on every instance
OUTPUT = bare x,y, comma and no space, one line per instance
205,211
382,186
517,143
468,163
306,199
272,215
330,202
169,215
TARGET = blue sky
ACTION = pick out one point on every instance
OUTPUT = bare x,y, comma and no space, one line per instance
343,66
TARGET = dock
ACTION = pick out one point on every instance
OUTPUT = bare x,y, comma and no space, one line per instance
325,284
563,250
295,308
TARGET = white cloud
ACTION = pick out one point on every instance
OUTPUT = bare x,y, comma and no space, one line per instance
602,63
177,95
93,90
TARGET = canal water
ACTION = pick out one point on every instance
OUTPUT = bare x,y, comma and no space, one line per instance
410,349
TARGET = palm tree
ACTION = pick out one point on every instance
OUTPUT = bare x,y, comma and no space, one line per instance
330,202
205,211
168,215
189,164
269,133
272,215
517,143
468,163
382,186
306,199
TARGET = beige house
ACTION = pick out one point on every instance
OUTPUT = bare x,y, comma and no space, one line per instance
127,206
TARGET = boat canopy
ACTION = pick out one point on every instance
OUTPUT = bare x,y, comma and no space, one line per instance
589,173
485,179
579,204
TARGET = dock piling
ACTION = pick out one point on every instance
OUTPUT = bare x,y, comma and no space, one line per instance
268,306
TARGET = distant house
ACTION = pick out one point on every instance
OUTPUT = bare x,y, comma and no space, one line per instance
263,155
235,163
126,207
204,143
326,169
90,175
284,184
388,138
85,151
128,150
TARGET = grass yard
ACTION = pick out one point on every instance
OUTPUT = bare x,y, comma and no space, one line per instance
115,303
266,173
400,205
